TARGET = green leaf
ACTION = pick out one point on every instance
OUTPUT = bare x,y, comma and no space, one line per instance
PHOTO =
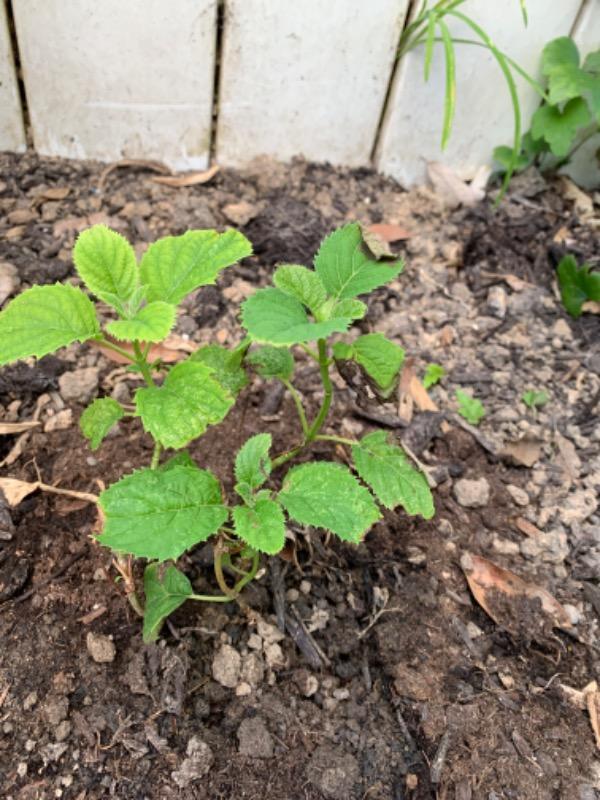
43,319
262,527
272,362
106,263
394,480
503,155
577,285
180,459
152,323
252,464
159,514
226,365
176,265
558,53
355,309
380,358
470,408
273,317
433,374
301,283
450,89
534,399
98,418
181,409
162,597
592,63
342,351
346,268
328,496
558,128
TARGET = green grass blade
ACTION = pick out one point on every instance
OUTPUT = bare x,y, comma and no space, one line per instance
512,89
430,38
450,93
524,12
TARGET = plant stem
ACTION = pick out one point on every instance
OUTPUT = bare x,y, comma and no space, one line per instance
156,455
298,403
115,347
140,361
327,397
210,598
337,439
231,594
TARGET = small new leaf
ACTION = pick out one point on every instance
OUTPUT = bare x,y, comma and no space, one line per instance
253,465
433,374
176,265
152,323
274,317
559,128
272,362
470,408
380,358
534,399
577,285
328,496
262,526
180,410
394,480
44,319
98,418
347,269
226,365
162,597
301,283
106,263
159,514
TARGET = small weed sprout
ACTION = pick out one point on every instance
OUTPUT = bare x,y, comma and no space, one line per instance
534,399
470,408
159,512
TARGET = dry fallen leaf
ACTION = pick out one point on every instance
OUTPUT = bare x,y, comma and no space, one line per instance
19,446
515,283
15,490
137,163
190,179
528,528
567,458
172,349
586,699
452,190
591,307
523,452
51,193
584,205
518,606
388,232
17,427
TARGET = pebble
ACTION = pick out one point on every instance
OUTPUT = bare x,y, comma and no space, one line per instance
552,547
9,280
254,738
80,385
519,495
274,656
62,731
253,669
30,701
100,647
573,612
505,547
496,302
472,493
196,765
226,666
60,421
22,769
305,587
333,772
240,213
55,709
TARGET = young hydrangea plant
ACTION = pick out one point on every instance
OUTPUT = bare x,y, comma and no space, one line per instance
160,512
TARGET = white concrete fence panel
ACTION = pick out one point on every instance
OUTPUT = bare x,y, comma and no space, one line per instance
135,79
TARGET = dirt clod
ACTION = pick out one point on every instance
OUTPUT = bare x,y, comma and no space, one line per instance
226,666
254,738
472,493
101,648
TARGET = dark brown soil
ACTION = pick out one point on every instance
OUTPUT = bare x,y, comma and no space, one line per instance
419,695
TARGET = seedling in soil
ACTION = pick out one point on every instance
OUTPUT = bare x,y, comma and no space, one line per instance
159,512
433,374
470,408
577,285
534,399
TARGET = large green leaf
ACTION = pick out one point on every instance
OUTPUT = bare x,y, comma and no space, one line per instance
577,285
98,418
272,362
152,323
262,526
106,263
559,53
176,265
162,597
328,496
273,317
43,319
252,464
301,283
180,410
559,128
226,365
380,358
395,481
159,514
347,269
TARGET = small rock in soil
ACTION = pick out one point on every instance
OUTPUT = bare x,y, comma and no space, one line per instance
60,421
13,576
101,648
333,772
254,738
240,213
496,302
472,494
55,709
197,764
9,280
226,666
519,495
80,385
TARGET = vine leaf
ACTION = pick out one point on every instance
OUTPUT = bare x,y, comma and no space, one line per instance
162,597
106,263
253,465
301,283
182,408
226,365
43,319
98,418
152,323
159,514
328,496
394,480
262,526
272,362
380,358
